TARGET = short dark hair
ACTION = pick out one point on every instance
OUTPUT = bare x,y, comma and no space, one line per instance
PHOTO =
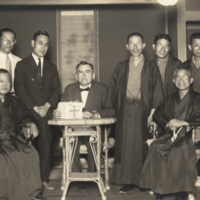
3,71
40,32
189,72
162,36
7,30
84,63
135,34
194,36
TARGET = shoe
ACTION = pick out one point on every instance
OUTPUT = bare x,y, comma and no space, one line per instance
159,197
47,186
126,188
181,196
84,187
39,197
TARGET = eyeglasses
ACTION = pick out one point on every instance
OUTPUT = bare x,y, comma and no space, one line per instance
183,78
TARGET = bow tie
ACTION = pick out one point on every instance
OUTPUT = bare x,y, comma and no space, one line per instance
84,89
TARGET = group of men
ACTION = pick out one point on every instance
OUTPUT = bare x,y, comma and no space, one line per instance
137,88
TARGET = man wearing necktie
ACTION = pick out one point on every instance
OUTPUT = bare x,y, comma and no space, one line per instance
93,95
37,85
8,61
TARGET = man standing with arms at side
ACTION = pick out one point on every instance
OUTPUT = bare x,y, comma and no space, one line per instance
194,63
135,91
37,85
166,63
8,61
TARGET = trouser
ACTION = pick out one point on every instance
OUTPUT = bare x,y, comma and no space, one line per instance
76,166
43,146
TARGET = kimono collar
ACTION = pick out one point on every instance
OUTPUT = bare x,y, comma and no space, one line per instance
197,64
131,61
162,61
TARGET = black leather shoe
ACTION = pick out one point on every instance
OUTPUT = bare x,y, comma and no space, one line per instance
181,196
126,188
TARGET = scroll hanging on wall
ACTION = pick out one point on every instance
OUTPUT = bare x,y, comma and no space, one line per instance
78,41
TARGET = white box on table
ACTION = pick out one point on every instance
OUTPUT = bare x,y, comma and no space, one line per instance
70,110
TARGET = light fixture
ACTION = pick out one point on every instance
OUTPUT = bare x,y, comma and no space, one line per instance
167,2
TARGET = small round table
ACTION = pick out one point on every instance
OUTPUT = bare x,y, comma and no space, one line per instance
83,127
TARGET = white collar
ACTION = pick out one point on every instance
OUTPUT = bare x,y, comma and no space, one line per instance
36,58
83,87
3,54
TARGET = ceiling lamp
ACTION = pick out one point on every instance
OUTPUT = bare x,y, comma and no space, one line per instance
167,2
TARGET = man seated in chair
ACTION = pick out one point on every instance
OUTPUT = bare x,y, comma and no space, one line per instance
92,94
170,166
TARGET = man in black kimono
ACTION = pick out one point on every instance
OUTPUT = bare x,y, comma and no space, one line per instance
194,62
170,166
167,64
135,91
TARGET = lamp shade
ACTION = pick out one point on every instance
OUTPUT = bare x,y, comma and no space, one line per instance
167,2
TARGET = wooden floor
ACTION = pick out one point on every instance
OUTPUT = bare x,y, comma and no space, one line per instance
75,194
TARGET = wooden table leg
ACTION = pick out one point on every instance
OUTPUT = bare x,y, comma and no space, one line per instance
66,163
106,160
100,182
64,158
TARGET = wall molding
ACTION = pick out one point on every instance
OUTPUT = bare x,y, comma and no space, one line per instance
74,2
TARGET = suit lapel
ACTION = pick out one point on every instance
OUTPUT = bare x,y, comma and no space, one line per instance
31,67
45,67
32,62
77,93
90,96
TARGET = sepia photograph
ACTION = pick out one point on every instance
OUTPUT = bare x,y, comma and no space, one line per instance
99,99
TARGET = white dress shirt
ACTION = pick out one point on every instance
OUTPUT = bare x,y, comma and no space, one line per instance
84,94
37,61
13,59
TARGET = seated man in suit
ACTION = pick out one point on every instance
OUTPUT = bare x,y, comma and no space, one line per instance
93,95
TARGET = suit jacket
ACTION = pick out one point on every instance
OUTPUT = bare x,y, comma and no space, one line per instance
96,96
32,93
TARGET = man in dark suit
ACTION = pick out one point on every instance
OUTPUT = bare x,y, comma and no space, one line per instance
37,85
93,95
